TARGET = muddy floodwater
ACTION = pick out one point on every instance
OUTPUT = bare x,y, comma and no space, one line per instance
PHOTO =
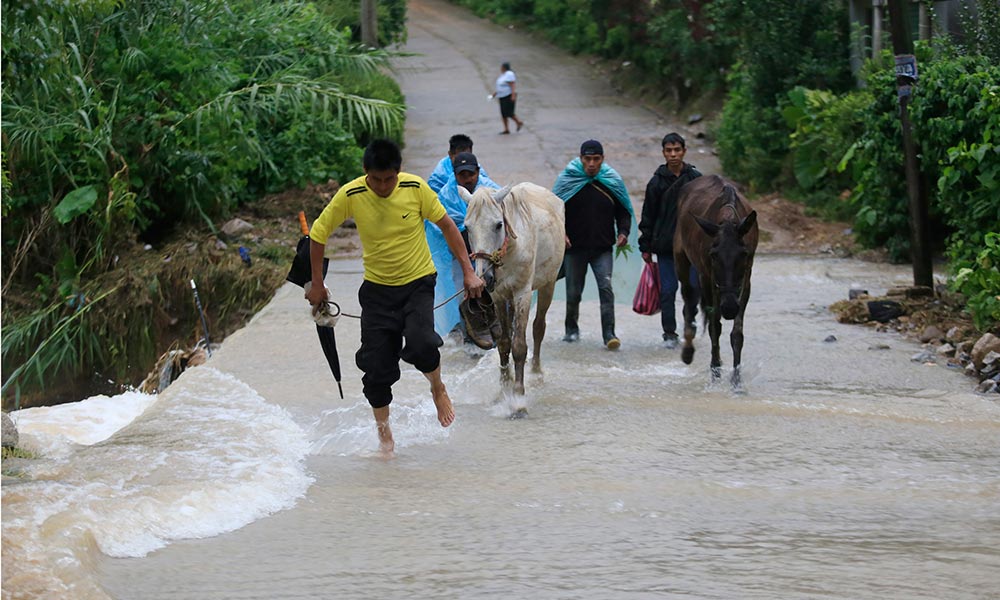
843,469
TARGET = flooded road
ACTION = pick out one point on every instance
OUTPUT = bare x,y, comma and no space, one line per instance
845,470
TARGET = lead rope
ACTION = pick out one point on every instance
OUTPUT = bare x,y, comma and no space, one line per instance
339,313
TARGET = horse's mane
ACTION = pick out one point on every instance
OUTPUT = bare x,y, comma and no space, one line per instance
521,207
727,199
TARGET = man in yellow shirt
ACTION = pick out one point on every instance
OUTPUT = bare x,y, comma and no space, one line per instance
397,296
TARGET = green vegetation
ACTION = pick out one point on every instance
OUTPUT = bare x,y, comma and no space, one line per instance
123,120
782,46
16,453
979,280
954,123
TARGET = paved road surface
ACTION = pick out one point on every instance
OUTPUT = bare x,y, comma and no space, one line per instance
562,99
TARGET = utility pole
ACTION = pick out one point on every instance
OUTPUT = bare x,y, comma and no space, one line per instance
906,77
369,24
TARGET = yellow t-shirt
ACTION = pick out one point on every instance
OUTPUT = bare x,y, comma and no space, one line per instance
392,235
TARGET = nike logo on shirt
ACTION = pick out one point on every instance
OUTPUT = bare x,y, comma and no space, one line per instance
406,215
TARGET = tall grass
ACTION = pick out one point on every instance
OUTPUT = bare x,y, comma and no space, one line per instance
122,119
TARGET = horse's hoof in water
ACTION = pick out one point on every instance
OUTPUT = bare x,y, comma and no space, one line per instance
716,373
687,354
737,382
520,413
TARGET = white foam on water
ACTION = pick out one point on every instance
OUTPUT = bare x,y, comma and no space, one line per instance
53,430
207,457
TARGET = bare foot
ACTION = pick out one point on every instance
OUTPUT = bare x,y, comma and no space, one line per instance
386,445
446,413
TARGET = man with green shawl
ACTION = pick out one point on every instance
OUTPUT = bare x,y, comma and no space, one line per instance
598,217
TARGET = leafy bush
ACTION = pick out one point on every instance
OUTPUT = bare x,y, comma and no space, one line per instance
949,108
752,138
969,189
123,118
980,282
825,128
782,45
968,185
185,98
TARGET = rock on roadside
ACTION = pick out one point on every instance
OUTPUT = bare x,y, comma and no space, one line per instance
10,436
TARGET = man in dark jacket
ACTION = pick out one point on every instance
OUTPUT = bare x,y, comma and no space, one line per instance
598,218
658,223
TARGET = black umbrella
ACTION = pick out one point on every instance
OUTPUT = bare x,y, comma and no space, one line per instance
329,343
300,274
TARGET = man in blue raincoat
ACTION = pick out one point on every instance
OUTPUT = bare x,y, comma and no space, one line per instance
467,173
598,217
445,170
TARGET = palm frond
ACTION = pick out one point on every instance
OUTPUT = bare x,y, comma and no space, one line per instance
296,94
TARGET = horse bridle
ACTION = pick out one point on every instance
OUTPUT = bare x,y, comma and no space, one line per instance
495,258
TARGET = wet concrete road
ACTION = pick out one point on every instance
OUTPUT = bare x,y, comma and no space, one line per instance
562,99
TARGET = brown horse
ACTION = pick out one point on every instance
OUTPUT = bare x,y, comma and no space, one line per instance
717,234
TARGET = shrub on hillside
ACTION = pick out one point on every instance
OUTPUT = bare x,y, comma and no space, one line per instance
122,119
951,114
781,46
825,127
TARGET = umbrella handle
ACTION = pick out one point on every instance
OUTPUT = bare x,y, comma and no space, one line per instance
302,222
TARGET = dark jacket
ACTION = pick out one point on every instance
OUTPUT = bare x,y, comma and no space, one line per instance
659,209
592,215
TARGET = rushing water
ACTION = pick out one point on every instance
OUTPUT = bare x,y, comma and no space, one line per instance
844,470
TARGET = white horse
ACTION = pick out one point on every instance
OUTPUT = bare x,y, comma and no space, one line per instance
518,238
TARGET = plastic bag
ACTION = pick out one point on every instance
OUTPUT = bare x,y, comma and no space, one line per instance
647,293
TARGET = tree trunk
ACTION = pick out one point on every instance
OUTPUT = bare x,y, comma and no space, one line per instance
369,24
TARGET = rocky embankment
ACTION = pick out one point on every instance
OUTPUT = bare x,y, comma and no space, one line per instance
936,319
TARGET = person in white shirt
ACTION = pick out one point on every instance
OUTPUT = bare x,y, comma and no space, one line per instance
506,87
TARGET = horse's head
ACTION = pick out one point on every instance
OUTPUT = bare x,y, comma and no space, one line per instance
730,258
488,228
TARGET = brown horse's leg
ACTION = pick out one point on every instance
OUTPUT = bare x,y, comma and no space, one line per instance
538,325
736,337
503,344
736,341
714,331
690,296
522,305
